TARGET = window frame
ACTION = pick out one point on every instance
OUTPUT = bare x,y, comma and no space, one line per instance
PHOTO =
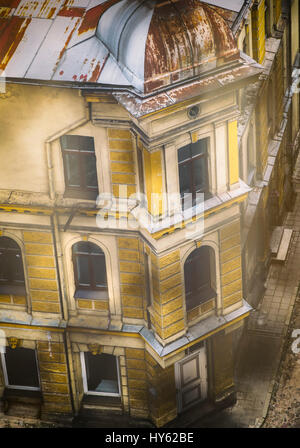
191,161
12,285
211,289
16,387
83,191
92,286
85,383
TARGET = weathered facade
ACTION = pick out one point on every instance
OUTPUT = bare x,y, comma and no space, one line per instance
102,313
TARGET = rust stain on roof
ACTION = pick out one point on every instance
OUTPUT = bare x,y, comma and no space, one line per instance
97,71
183,36
66,43
11,34
71,12
93,15
9,3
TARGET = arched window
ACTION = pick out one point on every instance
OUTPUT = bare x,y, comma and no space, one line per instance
11,265
199,277
89,267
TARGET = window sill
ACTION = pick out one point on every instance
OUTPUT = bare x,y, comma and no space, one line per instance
89,294
81,194
101,400
12,394
13,290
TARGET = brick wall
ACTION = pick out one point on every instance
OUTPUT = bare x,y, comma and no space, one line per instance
258,30
168,313
40,260
230,259
122,161
131,261
137,382
54,378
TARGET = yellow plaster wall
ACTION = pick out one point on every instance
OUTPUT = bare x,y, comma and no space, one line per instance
258,31
122,162
167,311
233,154
41,266
137,382
28,116
130,252
154,180
54,378
231,264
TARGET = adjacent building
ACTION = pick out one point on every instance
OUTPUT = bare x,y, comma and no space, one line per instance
146,149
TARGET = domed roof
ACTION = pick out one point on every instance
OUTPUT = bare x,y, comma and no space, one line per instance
159,42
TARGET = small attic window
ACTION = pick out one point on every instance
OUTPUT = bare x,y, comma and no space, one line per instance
79,166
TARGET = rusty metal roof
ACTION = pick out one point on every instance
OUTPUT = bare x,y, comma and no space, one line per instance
242,71
146,44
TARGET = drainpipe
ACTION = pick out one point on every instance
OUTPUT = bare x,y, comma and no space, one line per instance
54,219
58,248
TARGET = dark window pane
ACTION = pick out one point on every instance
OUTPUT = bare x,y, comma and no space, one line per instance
17,267
4,267
80,166
21,367
8,243
90,171
94,249
11,264
199,169
72,169
102,373
89,264
77,142
83,272
184,153
85,247
185,178
197,277
99,270
199,147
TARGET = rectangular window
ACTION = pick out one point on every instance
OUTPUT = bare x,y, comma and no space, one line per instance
20,368
79,166
100,374
193,171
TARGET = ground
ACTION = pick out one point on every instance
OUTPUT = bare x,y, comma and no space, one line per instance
284,410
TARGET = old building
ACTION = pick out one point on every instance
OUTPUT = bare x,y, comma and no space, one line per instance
138,155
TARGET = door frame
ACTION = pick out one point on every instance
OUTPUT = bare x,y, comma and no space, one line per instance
203,378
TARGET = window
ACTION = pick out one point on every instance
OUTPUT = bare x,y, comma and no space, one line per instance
199,277
79,166
89,267
11,267
100,374
20,368
193,170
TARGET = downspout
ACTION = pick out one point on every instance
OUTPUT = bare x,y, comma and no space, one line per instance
58,249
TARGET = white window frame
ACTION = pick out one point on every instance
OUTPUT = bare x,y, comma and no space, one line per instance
84,379
10,386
